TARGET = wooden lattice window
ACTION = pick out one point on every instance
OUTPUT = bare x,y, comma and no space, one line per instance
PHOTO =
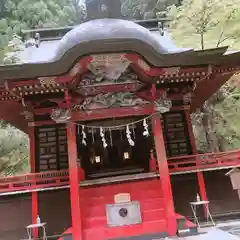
176,134
51,148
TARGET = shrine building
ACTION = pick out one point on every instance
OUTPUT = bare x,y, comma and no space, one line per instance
107,106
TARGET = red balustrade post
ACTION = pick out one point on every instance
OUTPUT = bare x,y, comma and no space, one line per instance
74,182
164,175
32,149
200,177
152,162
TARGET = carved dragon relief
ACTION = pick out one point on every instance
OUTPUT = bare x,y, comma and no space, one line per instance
108,100
107,70
109,66
94,79
121,99
94,84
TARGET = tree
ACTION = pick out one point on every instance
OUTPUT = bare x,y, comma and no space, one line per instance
211,21
17,15
75,12
145,9
14,157
13,151
12,53
214,23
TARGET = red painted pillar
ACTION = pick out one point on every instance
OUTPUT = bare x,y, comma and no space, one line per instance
201,182
32,150
164,176
74,182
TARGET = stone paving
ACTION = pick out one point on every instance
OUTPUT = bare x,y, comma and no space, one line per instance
212,234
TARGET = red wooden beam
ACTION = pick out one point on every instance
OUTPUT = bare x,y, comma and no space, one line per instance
153,94
200,176
31,82
150,70
106,113
113,88
227,68
112,113
74,183
164,176
139,64
32,151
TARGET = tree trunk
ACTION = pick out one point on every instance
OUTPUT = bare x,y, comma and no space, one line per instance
202,41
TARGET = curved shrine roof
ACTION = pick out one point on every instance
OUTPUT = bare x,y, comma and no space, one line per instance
113,29
100,30
55,58
109,35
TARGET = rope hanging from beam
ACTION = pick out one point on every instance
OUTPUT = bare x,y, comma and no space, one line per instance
82,127
115,126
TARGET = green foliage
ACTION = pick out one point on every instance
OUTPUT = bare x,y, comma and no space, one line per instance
197,23
217,126
74,12
11,53
16,15
145,9
227,122
13,151
212,23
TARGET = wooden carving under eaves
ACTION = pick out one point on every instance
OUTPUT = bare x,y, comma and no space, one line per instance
121,99
108,100
92,84
109,66
93,79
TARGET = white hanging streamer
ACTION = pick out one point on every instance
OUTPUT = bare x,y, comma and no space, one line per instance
129,138
128,132
93,138
84,136
145,125
111,140
133,130
116,126
103,138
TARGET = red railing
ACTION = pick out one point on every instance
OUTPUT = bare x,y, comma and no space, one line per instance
33,181
204,161
177,165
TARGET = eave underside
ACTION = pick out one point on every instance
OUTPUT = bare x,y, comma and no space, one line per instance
150,55
12,111
212,78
